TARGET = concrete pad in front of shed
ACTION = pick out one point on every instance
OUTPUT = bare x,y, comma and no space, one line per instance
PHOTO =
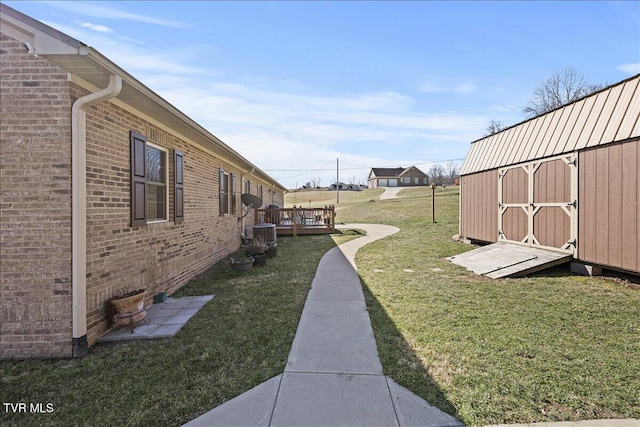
253,408
308,399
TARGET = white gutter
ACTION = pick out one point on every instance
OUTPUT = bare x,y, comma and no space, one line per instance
79,209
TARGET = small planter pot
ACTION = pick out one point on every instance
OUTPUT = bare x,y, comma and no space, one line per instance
127,310
243,264
260,260
272,249
159,297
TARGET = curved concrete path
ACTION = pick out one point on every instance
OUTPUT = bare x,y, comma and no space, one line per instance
391,193
333,376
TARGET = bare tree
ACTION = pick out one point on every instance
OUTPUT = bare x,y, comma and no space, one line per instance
437,175
452,170
494,127
316,180
559,89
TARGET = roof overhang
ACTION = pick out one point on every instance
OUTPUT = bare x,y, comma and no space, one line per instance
94,68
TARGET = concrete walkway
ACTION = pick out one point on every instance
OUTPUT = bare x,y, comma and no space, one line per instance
391,193
333,376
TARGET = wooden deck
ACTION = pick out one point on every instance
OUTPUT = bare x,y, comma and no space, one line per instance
296,221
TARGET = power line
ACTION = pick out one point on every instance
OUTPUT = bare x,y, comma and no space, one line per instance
304,171
325,168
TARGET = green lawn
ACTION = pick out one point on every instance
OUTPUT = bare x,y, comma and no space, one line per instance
543,348
237,341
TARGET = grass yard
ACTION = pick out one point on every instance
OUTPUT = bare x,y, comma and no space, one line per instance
544,348
237,341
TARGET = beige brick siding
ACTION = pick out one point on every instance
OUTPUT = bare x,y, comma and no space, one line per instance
35,206
159,256
411,176
35,197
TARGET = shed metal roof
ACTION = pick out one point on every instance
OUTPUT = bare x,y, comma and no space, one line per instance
610,115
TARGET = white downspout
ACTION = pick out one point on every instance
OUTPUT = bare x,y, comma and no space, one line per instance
79,210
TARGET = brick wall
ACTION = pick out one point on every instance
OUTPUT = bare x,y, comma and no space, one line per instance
35,206
159,256
35,198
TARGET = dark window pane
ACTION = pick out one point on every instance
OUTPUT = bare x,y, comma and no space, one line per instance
155,165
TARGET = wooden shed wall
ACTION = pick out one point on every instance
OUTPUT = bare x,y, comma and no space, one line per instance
479,206
609,211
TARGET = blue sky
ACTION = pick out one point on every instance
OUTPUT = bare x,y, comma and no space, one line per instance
292,86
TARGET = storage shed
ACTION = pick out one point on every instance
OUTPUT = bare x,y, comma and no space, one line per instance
567,180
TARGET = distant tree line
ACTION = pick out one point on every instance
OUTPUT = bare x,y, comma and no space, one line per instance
444,175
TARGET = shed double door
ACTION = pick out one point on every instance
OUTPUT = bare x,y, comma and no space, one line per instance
537,203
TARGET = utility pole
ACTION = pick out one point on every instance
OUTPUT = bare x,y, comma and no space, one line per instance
337,181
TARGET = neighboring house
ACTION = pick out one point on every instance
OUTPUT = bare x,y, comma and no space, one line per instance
397,177
346,187
337,186
567,180
105,186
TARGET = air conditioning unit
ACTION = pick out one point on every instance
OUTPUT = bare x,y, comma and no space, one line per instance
265,232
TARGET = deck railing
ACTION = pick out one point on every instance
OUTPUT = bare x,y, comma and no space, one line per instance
294,221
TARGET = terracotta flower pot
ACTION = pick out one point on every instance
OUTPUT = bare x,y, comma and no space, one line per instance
129,305
129,310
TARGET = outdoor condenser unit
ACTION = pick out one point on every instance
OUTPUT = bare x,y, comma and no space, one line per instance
265,232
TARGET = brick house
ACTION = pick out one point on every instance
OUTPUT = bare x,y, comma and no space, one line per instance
397,177
105,185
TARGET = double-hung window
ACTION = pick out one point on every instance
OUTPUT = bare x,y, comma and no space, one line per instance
156,172
149,182
234,184
224,192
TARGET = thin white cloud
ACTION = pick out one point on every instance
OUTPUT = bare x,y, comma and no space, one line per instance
95,27
630,69
284,131
100,11
127,53
290,128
